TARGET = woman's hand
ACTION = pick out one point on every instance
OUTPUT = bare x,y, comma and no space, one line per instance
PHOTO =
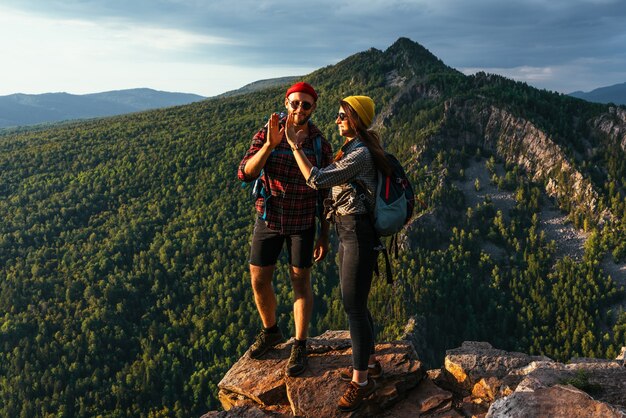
295,139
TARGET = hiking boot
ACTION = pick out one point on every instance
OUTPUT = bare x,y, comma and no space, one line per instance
375,372
297,361
354,395
264,341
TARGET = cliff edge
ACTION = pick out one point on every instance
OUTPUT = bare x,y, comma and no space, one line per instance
476,380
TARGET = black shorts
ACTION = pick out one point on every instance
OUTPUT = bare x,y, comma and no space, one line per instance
267,244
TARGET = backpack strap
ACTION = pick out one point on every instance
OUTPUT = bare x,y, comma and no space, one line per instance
380,247
317,146
265,192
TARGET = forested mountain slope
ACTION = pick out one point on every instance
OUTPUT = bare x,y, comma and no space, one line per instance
124,241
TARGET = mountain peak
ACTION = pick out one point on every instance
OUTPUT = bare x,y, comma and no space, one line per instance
415,55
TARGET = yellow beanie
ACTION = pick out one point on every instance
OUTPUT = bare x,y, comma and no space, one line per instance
364,106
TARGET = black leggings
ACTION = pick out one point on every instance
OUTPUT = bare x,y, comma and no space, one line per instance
357,256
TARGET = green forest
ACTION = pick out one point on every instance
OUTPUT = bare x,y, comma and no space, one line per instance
124,285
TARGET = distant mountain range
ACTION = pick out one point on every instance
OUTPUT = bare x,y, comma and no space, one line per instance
260,85
30,109
610,94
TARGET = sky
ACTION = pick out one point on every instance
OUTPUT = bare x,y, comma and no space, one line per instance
208,47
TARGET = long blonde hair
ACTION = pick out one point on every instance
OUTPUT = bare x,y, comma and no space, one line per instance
369,137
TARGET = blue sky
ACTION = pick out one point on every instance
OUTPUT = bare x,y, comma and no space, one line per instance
208,47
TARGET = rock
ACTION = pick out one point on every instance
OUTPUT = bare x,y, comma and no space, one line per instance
478,381
445,409
474,361
613,124
429,396
444,380
488,375
446,414
602,379
259,381
555,402
415,328
263,384
242,412
474,408
487,388
425,398
622,357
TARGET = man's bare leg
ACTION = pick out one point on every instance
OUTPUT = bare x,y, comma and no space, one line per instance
302,300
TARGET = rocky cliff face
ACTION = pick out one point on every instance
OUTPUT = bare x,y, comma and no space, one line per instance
518,141
476,380
613,124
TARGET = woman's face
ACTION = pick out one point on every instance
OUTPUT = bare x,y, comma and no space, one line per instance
344,124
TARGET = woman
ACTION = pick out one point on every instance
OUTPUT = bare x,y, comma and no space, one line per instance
357,161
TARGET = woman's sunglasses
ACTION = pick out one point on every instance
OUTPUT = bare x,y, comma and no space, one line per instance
300,103
342,116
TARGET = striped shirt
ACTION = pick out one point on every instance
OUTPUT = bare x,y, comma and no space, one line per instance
356,165
291,207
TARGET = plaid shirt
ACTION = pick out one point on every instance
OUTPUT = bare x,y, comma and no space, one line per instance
291,207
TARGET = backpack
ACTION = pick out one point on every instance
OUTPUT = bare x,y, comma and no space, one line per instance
395,199
393,207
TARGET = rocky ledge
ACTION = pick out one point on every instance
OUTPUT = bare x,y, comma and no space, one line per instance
476,380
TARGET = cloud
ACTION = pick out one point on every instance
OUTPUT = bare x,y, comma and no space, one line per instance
536,39
73,53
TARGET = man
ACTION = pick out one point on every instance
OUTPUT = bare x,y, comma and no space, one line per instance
287,216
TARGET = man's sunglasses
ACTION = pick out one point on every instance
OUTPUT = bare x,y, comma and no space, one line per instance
342,116
300,103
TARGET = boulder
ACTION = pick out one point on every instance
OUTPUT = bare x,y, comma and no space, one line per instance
559,401
474,361
490,376
263,384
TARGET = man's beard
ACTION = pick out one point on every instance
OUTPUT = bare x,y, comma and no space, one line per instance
303,121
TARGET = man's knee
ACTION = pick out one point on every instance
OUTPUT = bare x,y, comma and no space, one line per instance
300,280
261,275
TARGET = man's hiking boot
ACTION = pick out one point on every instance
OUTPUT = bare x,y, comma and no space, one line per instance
264,341
354,395
297,361
375,372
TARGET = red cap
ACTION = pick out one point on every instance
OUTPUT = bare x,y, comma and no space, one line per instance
302,87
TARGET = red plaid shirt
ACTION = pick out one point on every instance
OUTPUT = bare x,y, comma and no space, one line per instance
291,208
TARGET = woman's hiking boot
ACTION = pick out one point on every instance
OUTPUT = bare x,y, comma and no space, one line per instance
375,372
297,361
354,395
264,341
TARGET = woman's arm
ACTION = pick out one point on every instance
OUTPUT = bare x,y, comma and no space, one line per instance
339,172
292,138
